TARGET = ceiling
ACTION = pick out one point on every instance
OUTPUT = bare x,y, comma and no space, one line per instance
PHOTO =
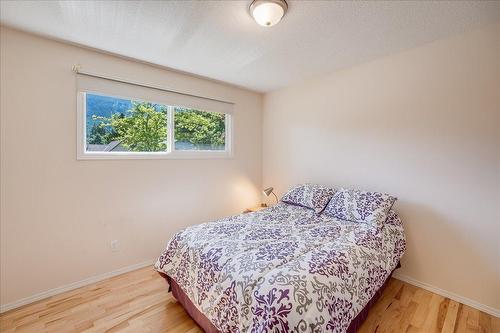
219,39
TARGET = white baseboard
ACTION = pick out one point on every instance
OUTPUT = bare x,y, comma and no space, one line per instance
71,286
485,308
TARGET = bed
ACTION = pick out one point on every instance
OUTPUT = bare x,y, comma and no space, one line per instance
282,269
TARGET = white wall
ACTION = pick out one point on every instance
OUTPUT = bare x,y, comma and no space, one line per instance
58,215
423,125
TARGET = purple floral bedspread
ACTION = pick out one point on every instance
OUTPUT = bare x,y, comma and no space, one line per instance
282,269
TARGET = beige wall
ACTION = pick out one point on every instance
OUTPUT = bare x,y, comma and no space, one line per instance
423,125
58,215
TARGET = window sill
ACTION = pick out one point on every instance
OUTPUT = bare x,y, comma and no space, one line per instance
175,155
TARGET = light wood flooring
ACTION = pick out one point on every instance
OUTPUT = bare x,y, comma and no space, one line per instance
138,302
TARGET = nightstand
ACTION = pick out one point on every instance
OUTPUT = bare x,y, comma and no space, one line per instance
255,209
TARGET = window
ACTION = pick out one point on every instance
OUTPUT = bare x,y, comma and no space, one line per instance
122,125
198,130
140,127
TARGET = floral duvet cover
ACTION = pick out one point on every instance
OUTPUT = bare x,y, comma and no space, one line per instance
282,269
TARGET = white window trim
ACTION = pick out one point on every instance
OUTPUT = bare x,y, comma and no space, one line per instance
170,153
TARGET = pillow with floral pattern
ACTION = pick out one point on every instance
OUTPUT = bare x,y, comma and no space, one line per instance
360,206
310,196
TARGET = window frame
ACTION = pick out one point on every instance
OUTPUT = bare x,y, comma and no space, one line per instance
170,153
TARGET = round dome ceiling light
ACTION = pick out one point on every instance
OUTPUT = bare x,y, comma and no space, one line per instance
268,12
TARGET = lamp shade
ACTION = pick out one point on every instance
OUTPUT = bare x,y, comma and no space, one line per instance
268,191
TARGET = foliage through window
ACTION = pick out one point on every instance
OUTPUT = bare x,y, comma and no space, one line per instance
198,130
118,125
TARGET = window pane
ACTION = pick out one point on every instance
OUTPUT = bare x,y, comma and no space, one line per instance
118,125
199,130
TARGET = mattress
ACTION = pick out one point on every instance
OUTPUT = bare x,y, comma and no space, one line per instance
281,269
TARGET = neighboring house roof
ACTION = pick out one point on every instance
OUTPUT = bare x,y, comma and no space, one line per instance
112,146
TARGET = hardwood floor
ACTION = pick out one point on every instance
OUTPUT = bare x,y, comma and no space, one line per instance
139,302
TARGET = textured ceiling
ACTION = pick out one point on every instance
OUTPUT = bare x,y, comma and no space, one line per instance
219,39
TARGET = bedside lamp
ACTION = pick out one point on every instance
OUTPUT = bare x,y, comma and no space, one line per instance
268,192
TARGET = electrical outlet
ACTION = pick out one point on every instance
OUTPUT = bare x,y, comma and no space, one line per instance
114,245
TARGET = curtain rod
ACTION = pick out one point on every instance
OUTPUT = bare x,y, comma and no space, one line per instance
77,69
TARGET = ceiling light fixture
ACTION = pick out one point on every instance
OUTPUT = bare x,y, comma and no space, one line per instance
268,12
